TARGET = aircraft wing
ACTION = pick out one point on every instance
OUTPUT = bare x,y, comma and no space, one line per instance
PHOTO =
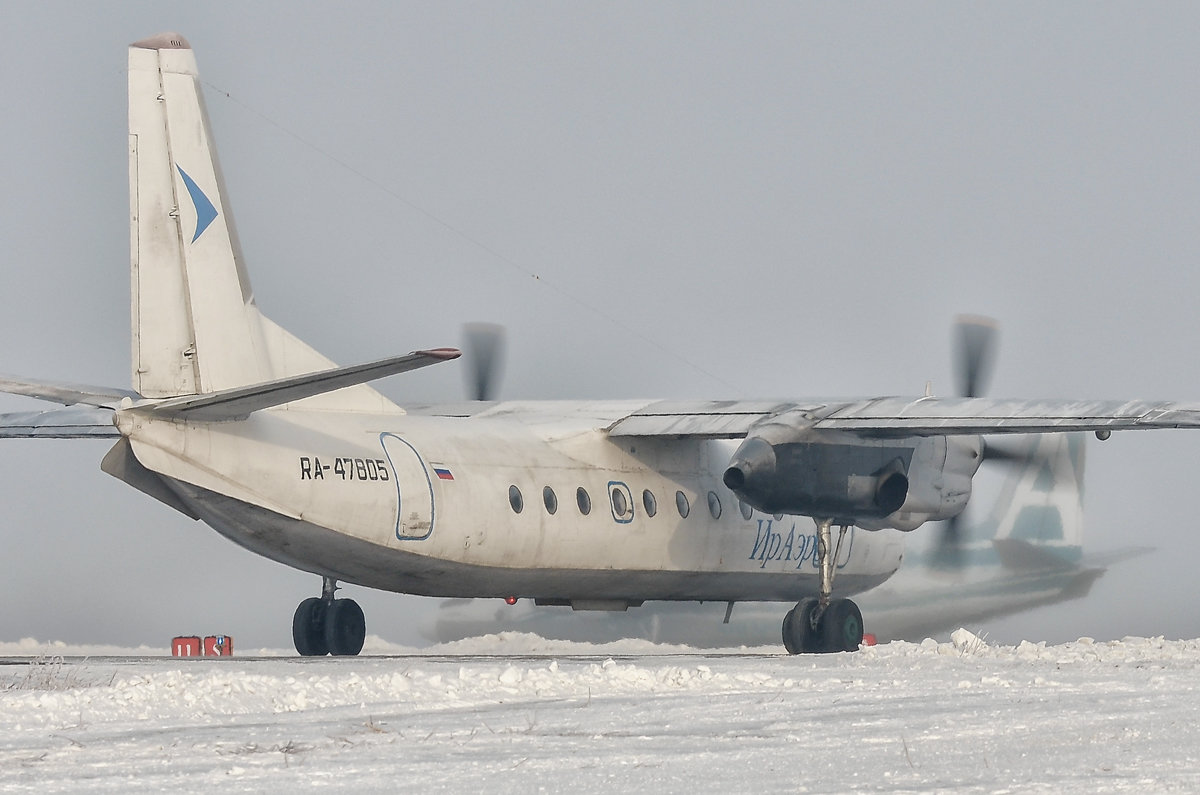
73,422
906,416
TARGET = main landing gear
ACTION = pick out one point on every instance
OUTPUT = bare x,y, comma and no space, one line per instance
824,624
324,625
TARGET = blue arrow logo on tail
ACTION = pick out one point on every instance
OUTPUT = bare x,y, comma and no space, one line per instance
205,212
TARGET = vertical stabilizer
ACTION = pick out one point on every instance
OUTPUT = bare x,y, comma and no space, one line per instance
196,328
1041,502
192,332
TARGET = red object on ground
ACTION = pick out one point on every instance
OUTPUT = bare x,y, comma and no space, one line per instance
185,646
218,646
868,639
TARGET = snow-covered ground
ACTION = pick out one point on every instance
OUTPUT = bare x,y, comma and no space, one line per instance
515,713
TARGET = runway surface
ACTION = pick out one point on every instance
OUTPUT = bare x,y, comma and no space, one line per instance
1085,716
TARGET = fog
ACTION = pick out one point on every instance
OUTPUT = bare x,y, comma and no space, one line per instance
656,200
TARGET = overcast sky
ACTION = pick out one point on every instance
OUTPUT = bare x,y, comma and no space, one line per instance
657,200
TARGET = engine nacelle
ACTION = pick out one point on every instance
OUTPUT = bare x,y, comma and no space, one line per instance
842,479
787,467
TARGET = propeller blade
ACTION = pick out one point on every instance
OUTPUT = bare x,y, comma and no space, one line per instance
483,346
975,345
949,552
1009,454
975,342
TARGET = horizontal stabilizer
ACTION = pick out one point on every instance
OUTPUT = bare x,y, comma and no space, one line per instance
240,402
73,422
67,394
1109,557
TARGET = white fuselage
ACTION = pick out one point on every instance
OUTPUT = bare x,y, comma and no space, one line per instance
429,505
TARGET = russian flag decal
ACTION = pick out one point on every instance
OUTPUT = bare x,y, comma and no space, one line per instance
443,473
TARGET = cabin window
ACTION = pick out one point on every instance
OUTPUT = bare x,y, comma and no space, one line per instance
650,504
515,499
583,500
714,505
746,510
681,503
619,504
550,499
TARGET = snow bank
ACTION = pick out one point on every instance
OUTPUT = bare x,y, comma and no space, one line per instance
1115,716
499,644
30,647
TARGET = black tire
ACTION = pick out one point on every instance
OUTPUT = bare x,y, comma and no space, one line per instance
841,627
345,628
308,628
798,634
789,632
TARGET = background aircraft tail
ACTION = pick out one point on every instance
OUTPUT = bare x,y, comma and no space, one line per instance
1040,505
196,328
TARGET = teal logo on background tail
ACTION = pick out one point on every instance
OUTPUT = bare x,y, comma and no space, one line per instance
205,212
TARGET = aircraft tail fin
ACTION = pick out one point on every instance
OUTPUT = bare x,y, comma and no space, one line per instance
1040,504
196,328
192,332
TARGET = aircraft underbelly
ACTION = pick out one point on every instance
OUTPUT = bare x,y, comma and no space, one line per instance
320,550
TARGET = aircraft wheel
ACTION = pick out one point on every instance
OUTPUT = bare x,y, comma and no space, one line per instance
841,626
308,628
798,634
787,632
345,628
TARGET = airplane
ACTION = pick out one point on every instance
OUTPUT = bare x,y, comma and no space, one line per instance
596,505
1027,552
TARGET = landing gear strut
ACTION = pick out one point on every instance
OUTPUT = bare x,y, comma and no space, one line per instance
824,624
324,625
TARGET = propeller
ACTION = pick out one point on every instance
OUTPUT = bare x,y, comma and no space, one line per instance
483,349
975,339
975,345
949,553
